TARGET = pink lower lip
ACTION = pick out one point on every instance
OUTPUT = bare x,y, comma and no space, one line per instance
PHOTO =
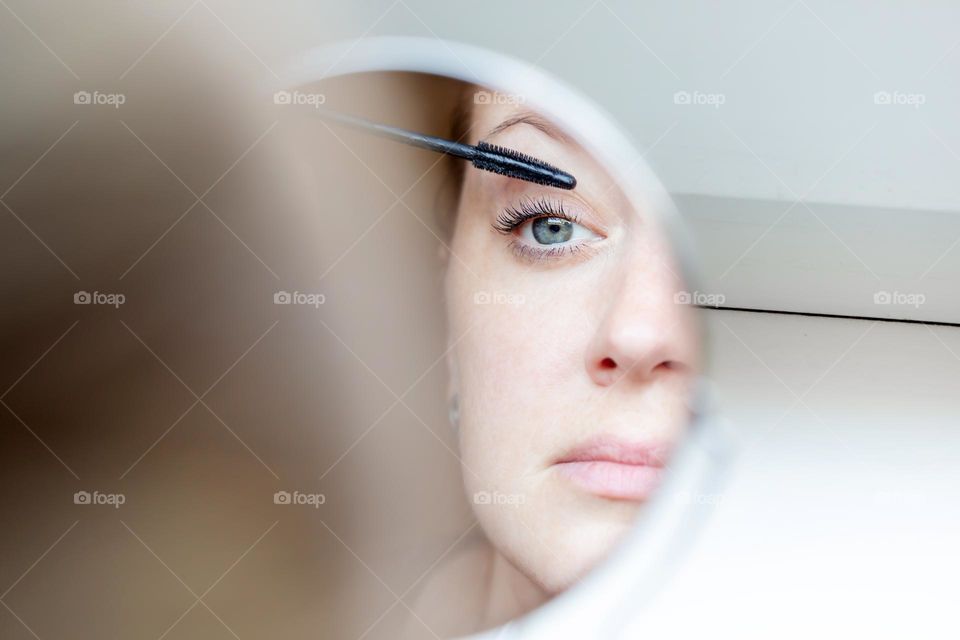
610,479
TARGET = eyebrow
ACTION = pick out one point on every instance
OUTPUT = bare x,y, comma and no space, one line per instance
533,120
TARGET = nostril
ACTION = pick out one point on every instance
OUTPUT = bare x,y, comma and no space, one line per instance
674,365
608,363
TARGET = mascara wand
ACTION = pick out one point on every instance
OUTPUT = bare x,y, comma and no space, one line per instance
484,156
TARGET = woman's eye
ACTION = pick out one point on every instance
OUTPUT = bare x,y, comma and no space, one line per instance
554,230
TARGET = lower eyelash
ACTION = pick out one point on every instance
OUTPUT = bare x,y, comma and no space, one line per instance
536,254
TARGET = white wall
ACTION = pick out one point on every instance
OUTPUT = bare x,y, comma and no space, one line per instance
828,258
842,512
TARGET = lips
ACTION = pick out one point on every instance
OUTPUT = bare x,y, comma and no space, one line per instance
613,468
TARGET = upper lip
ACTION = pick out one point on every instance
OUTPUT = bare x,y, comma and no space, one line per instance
617,450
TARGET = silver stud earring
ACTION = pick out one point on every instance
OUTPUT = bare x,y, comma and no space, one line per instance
453,412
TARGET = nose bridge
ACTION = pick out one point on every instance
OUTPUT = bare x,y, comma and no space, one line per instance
639,332
644,287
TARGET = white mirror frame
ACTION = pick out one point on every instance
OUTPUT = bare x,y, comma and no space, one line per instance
612,594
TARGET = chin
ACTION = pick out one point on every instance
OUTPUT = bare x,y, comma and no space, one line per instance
576,549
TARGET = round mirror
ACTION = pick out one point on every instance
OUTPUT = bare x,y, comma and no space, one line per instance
501,263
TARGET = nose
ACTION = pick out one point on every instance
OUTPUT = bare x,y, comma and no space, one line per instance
644,332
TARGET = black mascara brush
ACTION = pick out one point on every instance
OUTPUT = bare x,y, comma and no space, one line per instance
484,156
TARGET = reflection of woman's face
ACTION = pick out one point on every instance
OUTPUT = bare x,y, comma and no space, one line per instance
568,352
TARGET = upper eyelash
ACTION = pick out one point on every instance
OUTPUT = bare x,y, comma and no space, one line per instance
527,209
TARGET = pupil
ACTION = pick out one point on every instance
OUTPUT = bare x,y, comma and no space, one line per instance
552,230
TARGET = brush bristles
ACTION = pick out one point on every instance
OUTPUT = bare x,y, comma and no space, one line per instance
510,173
516,155
518,165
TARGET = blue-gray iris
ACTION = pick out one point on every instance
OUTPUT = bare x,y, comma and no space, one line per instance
552,230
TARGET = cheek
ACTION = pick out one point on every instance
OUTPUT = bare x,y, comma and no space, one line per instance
521,337
522,378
